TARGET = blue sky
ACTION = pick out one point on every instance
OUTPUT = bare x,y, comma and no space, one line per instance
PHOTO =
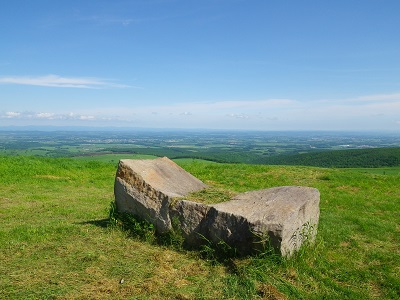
221,64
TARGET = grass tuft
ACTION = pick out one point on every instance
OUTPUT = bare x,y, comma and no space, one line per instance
211,195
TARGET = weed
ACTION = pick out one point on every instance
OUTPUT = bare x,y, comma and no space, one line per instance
113,214
132,225
304,237
144,230
174,237
263,245
217,252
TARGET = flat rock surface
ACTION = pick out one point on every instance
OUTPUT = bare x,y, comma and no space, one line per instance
271,205
164,175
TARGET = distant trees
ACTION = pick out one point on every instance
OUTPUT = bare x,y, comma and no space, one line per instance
355,158
359,158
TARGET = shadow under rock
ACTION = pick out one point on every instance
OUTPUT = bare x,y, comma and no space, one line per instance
104,223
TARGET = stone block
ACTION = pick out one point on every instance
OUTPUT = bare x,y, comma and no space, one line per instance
155,190
286,215
146,188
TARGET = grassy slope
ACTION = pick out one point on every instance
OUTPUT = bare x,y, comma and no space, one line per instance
54,243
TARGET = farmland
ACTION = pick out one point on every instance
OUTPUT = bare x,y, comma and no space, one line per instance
221,146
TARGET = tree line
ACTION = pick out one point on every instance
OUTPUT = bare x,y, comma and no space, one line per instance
352,158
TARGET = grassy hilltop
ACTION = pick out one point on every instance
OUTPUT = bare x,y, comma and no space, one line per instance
55,242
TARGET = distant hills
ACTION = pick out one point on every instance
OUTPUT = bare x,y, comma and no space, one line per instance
320,149
355,158
350,158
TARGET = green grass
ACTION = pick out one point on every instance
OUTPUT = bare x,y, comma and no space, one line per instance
113,158
380,171
211,195
55,242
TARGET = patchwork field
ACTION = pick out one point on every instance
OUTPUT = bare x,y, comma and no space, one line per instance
250,147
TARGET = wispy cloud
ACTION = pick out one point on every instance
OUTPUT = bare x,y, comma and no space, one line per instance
370,113
46,116
61,82
379,98
365,99
11,115
238,116
219,107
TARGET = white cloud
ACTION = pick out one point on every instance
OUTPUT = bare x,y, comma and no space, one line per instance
269,114
380,98
12,114
87,117
238,116
63,82
45,115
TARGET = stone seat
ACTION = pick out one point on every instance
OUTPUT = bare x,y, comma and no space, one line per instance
155,190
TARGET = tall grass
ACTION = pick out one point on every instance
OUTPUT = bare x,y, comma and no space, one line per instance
55,242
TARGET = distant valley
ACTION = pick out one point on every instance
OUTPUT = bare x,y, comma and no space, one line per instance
323,149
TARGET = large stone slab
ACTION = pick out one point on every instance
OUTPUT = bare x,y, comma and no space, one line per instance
146,189
155,190
286,216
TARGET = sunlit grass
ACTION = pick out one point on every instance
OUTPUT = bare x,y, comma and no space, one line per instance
55,242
